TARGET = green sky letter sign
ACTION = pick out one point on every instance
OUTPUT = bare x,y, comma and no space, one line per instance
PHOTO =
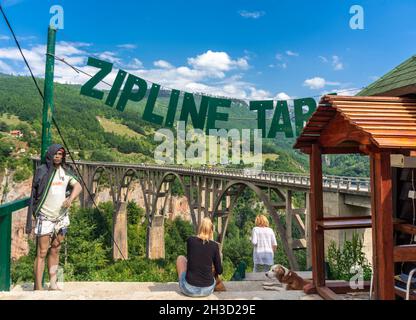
205,116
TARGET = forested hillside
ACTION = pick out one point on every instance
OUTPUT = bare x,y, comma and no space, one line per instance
95,131
79,120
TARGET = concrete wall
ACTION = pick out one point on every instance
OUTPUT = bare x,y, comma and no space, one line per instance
340,205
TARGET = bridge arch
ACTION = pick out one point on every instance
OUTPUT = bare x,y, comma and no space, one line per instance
96,179
270,208
157,196
130,176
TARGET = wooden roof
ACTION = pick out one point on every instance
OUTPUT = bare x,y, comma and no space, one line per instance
397,82
350,122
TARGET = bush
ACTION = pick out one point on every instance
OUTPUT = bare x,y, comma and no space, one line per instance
343,260
21,174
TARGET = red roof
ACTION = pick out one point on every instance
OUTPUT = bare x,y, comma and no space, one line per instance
388,122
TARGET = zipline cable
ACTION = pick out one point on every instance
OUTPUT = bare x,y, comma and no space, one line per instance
57,127
78,70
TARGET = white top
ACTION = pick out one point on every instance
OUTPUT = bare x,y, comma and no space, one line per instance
52,207
263,239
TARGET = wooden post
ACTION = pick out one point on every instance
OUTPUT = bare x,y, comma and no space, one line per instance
308,232
316,213
382,222
289,217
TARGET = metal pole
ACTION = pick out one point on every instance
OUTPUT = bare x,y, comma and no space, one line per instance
48,106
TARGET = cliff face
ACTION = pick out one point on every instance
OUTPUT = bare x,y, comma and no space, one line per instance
177,207
20,245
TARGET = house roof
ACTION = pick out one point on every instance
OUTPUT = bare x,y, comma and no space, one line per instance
398,82
342,121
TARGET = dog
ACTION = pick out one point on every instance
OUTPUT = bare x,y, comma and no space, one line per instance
285,276
219,285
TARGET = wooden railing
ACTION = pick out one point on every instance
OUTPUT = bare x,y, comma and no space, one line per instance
6,211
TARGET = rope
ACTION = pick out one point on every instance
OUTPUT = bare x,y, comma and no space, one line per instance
57,127
78,70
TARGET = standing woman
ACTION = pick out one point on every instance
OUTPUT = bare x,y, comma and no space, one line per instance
196,277
264,242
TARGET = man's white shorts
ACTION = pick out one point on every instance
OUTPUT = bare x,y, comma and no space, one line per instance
44,226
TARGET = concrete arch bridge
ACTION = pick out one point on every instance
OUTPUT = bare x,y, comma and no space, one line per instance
213,192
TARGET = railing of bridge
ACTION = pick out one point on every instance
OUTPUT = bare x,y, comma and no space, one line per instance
336,183
6,211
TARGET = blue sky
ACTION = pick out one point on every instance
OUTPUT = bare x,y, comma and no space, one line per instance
244,49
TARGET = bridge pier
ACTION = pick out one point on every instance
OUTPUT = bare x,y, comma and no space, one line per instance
155,246
120,247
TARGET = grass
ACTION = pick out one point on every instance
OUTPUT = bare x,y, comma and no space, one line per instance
117,128
11,119
270,156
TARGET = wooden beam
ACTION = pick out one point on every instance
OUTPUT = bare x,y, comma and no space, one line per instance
343,287
316,214
405,228
327,293
382,220
405,253
338,223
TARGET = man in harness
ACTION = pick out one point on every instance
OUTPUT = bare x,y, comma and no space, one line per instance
49,205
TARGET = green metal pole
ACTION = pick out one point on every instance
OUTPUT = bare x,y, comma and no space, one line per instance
5,251
48,106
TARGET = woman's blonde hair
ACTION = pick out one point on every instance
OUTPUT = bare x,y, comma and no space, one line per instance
206,230
262,221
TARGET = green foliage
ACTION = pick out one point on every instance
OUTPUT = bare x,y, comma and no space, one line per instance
22,173
176,233
341,260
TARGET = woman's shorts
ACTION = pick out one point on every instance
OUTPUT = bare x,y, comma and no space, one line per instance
44,226
192,291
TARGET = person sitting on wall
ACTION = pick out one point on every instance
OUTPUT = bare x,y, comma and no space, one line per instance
196,277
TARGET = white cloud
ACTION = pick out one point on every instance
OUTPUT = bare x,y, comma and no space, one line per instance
5,68
10,3
26,38
318,83
336,63
344,92
128,46
212,73
134,64
282,96
162,64
3,37
374,78
291,53
216,63
251,14
283,65
279,56
323,59
110,57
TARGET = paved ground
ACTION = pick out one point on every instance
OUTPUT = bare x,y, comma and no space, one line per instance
250,289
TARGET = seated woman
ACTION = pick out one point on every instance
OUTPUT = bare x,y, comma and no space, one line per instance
196,278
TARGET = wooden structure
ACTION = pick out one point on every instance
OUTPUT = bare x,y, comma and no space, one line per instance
373,126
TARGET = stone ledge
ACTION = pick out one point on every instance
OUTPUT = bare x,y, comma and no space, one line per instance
236,290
